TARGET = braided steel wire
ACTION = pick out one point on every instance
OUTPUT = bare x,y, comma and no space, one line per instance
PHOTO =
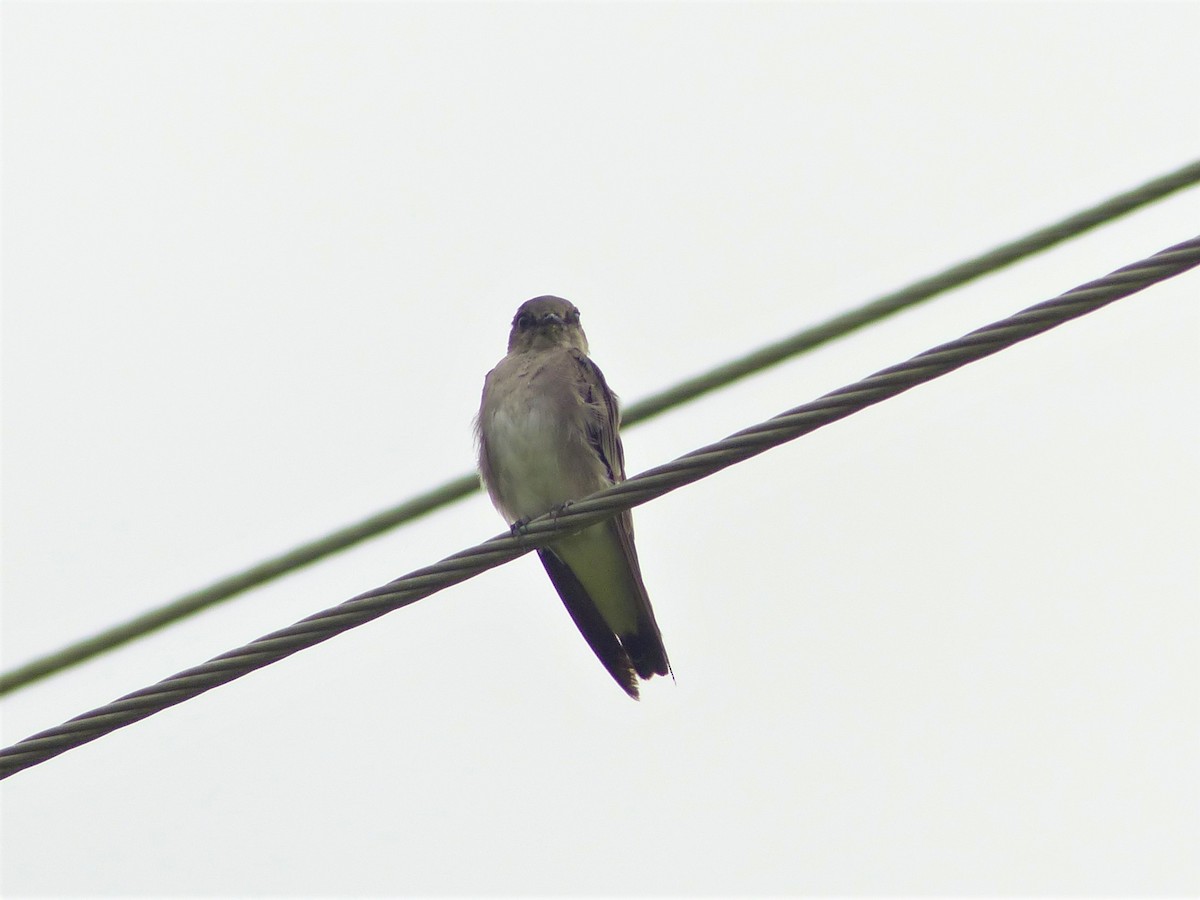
635,491
463,485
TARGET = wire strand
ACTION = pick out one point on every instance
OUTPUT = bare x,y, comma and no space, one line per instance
464,485
640,489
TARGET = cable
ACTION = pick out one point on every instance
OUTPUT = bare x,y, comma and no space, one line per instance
720,376
633,492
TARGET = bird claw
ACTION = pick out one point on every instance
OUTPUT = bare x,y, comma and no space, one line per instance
520,528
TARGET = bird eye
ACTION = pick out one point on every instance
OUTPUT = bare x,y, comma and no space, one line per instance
524,321
572,317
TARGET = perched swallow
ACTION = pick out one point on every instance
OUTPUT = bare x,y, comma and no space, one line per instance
547,430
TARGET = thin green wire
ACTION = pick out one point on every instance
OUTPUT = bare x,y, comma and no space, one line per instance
459,487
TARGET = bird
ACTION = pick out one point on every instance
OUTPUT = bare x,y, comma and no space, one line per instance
547,433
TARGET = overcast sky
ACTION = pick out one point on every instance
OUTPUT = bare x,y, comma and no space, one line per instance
257,261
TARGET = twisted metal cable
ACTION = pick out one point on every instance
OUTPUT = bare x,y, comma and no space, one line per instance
637,490
463,485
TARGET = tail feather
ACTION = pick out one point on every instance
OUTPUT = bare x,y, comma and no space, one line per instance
647,653
607,647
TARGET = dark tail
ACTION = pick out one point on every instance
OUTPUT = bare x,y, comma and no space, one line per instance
607,647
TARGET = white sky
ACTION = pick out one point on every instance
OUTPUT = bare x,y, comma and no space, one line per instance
257,260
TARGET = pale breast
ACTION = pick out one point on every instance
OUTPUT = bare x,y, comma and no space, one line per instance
534,442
